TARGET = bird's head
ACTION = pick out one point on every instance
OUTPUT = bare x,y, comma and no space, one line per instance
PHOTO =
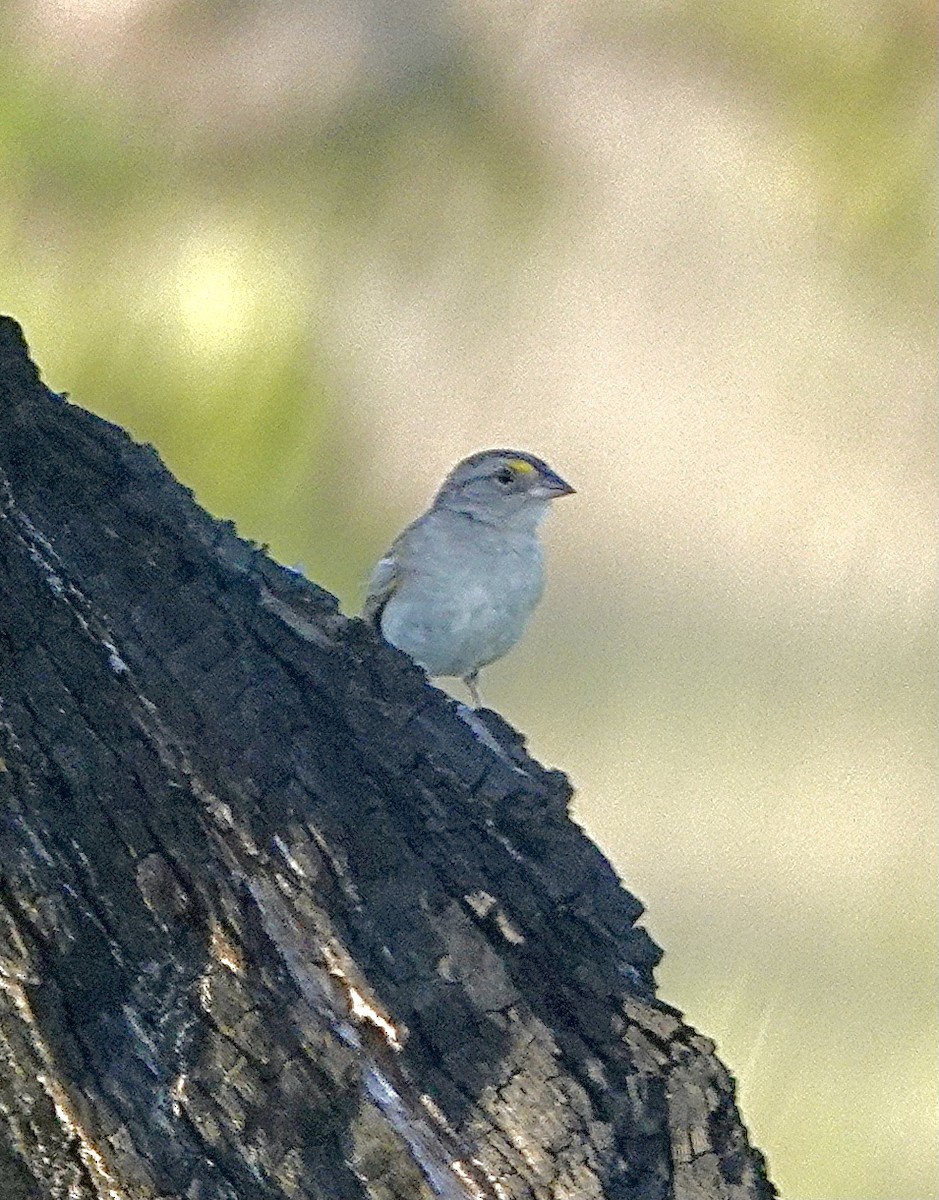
502,487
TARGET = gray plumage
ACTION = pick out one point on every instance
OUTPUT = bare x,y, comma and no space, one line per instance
457,586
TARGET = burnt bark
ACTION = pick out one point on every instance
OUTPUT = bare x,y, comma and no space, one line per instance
275,919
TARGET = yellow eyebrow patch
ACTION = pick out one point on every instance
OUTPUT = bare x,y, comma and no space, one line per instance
520,465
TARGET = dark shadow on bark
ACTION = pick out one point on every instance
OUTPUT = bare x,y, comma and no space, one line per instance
274,920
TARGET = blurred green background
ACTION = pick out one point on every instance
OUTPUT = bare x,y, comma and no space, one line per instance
317,250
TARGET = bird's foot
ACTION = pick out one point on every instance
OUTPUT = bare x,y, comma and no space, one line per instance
470,681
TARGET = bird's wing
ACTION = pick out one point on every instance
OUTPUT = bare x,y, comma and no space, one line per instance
381,586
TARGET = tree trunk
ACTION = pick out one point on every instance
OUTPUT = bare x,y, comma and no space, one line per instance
275,921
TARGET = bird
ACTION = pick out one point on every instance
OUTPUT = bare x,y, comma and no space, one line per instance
457,586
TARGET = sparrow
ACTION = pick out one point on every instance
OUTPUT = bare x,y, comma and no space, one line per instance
457,586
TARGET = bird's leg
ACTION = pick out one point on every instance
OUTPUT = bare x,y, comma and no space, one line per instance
470,681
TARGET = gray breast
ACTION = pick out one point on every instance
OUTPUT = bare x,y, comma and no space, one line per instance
466,595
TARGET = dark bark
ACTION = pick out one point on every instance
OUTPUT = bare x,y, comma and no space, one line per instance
274,920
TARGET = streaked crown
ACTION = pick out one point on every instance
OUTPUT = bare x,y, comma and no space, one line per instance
500,481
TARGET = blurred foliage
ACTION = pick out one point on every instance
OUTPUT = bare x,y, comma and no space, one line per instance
196,266
855,87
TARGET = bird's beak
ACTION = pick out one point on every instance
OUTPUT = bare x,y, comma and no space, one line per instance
552,486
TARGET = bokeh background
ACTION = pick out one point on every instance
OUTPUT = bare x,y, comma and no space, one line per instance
317,250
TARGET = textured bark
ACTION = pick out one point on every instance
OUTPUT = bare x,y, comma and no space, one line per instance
275,920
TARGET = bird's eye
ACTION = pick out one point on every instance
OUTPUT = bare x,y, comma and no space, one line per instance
505,476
